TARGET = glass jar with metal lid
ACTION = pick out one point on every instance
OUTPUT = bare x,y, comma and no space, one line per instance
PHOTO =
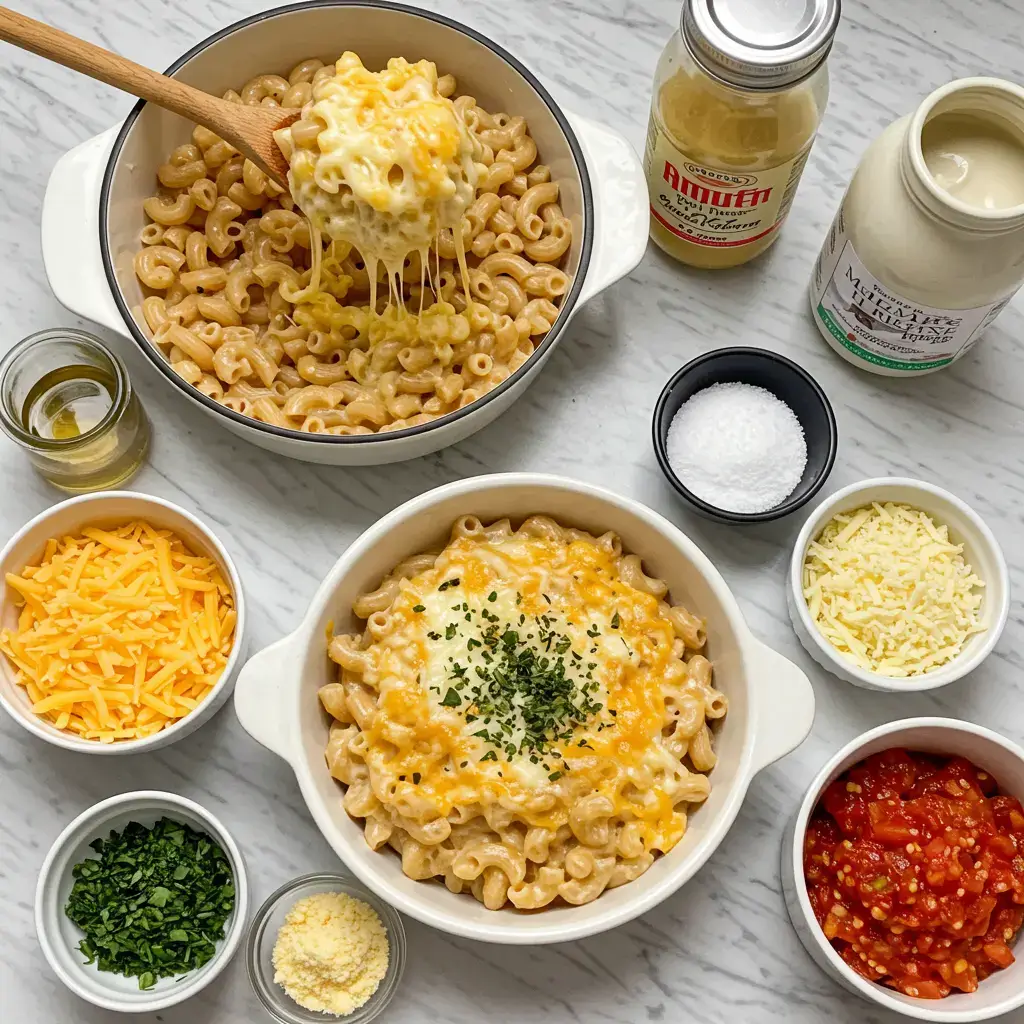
738,96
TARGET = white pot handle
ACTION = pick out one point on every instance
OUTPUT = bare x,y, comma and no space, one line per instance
621,204
260,697
71,233
786,703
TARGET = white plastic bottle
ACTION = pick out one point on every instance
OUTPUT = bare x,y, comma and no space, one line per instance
928,245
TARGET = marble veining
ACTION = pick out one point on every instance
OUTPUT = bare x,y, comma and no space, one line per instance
721,951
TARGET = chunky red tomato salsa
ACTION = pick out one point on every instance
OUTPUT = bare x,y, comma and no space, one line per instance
915,870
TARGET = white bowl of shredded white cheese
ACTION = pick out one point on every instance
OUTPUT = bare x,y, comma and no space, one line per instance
896,584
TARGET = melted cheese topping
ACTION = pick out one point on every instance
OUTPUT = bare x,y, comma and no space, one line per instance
121,632
436,626
890,591
391,165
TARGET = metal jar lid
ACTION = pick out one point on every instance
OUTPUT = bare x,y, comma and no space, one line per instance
759,44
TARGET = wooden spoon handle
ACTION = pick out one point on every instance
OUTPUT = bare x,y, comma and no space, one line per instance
248,129
108,67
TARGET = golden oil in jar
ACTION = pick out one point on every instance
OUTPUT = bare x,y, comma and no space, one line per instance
68,402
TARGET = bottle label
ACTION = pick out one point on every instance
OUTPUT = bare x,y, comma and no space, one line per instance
881,327
715,206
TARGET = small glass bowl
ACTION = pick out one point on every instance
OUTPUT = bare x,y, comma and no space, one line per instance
263,931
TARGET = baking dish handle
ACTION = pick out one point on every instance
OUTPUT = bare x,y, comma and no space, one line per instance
786,707
621,205
71,233
259,697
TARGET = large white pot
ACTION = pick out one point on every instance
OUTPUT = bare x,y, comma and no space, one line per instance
92,212
771,703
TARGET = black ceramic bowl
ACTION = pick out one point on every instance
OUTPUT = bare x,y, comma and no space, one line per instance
784,379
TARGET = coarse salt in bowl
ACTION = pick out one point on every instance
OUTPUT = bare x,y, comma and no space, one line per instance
738,447
981,551
787,382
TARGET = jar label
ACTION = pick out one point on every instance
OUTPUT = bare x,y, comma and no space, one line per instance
714,206
881,327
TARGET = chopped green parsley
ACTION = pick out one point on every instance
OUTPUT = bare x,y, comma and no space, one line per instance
531,690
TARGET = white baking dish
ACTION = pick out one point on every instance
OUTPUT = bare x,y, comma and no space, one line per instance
92,212
996,995
771,701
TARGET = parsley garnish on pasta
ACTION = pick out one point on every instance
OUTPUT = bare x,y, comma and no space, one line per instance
532,691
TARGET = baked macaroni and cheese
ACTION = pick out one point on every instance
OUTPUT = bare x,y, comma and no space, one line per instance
277,315
524,716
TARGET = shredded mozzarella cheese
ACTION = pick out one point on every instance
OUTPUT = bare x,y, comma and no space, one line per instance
890,591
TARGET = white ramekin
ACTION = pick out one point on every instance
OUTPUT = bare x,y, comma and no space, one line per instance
981,550
59,937
108,508
771,700
92,211
1004,760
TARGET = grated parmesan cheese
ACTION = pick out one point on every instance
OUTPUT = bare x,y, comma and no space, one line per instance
121,632
331,953
890,591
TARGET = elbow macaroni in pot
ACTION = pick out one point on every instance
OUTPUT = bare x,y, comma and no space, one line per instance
531,725
208,263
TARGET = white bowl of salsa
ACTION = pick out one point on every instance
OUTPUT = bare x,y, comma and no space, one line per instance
899,805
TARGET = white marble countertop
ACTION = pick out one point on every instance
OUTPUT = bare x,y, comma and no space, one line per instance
720,950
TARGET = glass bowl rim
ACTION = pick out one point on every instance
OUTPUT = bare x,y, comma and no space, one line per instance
275,1000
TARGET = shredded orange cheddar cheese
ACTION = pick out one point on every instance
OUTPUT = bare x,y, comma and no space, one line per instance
121,633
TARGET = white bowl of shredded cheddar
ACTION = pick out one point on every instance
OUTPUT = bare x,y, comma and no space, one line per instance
121,623
896,584
323,946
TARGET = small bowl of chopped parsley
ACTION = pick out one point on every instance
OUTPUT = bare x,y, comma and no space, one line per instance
141,902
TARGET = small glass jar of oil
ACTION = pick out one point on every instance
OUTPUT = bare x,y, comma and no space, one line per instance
68,402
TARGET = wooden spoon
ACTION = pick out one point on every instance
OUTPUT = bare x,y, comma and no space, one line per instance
249,129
